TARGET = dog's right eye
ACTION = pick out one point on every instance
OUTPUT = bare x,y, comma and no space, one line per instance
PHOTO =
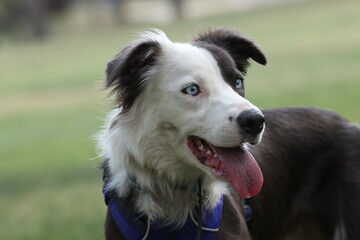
192,90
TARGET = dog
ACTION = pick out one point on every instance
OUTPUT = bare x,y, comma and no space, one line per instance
187,156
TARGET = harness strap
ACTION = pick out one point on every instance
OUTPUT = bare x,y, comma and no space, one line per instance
200,209
248,213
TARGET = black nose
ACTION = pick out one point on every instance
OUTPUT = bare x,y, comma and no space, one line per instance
251,122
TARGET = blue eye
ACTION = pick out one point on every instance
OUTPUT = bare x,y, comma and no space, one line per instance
238,84
192,90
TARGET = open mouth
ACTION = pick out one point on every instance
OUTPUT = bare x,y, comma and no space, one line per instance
236,164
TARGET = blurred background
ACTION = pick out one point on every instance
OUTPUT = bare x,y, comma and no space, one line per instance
52,61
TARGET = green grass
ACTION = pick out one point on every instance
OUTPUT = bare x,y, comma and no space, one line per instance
50,189
50,104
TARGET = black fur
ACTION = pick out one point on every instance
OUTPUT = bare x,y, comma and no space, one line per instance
228,68
126,73
309,159
232,51
238,46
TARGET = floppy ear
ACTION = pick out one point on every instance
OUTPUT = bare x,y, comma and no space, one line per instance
238,46
126,73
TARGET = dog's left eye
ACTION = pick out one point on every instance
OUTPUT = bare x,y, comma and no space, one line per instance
192,90
238,84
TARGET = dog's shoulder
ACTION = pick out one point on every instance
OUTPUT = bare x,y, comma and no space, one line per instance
233,225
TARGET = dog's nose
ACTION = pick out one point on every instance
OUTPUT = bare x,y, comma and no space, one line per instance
251,122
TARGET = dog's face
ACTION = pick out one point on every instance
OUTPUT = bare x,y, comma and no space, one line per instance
186,104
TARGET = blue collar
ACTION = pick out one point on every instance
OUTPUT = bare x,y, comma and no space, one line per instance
134,226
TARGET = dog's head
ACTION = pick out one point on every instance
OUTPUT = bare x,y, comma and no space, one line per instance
183,110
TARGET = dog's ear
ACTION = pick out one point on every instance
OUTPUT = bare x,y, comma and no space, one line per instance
126,73
238,46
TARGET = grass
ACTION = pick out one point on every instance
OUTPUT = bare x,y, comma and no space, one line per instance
50,104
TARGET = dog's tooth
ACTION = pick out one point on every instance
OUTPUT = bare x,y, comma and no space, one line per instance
198,142
215,156
208,152
201,147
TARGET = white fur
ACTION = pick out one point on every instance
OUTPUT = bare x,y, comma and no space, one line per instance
149,141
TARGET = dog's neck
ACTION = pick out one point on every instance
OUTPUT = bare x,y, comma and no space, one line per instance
177,186
158,197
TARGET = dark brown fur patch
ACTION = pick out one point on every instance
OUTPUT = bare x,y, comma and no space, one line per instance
308,158
238,46
227,66
126,73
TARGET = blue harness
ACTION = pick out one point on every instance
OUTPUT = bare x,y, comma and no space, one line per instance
135,226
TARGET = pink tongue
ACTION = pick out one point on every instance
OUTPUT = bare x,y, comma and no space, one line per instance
241,169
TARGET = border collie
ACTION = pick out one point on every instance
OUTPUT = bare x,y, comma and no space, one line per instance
180,149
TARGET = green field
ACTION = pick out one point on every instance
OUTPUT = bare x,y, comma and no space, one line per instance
51,104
